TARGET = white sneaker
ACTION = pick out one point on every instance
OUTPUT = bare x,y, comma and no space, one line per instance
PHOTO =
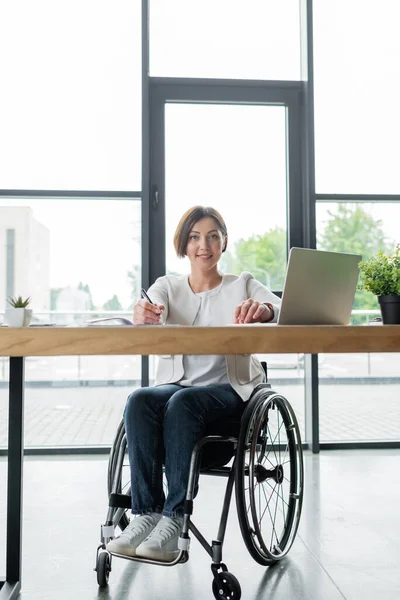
137,530
162,542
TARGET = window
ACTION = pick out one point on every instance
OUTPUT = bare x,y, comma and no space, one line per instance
357,94
236,39
358,392
242,173
89,252
70,107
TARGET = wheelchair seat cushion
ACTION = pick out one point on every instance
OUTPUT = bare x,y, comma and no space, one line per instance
218,454
229,426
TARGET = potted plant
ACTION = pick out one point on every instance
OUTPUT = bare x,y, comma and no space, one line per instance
18,315
381,276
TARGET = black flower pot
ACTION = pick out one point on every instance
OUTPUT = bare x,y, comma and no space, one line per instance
390,309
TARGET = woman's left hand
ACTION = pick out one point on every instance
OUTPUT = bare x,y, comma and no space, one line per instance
251,311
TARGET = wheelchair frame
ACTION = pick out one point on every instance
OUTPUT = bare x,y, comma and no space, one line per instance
251,462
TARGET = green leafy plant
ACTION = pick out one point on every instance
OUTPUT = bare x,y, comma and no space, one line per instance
381,273
18,302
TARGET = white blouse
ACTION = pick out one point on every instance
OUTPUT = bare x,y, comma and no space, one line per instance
204,369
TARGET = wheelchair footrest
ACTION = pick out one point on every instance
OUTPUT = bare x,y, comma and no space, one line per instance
119,501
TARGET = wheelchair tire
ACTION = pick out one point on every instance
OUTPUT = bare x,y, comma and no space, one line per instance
269,476
112,465
228,587
114,454
103,568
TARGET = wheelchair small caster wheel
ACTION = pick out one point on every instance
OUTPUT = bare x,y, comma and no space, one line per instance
103,568
226,587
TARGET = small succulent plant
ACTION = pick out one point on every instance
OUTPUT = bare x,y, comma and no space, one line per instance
19,302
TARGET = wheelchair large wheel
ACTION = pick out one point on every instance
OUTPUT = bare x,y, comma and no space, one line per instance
269,476
123,484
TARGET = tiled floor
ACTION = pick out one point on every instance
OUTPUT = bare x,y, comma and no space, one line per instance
347,547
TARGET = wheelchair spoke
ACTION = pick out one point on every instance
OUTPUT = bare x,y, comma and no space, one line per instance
267,507
261,517
273,440
273,527
273,520
269,510
272,443
277,493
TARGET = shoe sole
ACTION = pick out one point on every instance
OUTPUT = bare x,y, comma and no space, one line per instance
156,555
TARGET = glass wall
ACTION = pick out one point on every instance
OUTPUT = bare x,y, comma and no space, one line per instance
71,123
77,264
357,126
71,119
358,392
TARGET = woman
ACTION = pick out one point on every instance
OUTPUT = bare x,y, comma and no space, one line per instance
164,422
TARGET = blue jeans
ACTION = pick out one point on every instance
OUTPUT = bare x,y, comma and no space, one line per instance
163,424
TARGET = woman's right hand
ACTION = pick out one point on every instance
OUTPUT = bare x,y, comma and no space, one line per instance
145,313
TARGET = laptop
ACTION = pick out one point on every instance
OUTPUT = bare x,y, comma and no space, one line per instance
319,287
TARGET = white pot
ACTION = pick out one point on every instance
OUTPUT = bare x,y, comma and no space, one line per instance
18,317
27,317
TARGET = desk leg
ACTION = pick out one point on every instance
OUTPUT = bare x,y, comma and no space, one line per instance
10,588
311,402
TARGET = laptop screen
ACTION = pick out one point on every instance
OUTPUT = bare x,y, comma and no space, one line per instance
319,287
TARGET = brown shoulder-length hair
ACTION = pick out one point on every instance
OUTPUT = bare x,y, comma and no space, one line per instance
187,221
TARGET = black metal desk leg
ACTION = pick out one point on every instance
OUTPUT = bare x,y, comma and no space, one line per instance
11,587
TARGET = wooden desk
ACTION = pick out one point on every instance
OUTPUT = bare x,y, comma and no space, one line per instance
235,339
232,339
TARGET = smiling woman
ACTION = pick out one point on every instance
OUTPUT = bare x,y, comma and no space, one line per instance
201,235
185,230
164,422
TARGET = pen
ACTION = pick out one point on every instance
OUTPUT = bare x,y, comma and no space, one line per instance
144,295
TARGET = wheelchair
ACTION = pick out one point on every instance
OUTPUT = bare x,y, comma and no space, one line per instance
260,453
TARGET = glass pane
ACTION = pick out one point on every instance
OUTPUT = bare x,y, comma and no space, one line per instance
358,392
70,110
358,397
233,157
252,39
357,92
361,228
77,264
